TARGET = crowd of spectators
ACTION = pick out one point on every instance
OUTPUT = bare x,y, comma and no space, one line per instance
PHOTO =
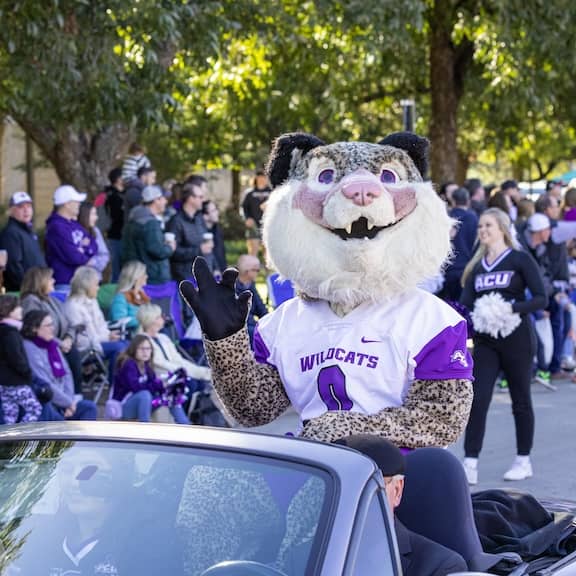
546,229
135,234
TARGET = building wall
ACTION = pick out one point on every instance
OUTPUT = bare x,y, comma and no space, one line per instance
13,172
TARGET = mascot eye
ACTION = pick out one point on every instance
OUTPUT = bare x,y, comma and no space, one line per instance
326,176
388,176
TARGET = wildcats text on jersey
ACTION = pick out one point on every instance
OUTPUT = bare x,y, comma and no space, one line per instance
492,280
339,354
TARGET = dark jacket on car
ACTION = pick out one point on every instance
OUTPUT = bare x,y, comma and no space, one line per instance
24,252
144,241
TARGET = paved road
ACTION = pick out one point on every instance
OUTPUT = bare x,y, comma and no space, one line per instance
554,455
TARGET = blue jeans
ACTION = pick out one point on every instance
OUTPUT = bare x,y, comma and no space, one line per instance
85,410
560,319
139,407
116,258
179,415
111,351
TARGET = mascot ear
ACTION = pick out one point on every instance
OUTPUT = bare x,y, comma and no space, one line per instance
416,146
282,154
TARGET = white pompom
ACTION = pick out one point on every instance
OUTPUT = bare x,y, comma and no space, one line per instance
493,315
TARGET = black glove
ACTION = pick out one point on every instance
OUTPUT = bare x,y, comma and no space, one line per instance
220,312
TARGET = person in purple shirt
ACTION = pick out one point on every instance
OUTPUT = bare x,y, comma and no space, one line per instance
68,245
136,385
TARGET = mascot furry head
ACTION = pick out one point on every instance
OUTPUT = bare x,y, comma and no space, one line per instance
353,221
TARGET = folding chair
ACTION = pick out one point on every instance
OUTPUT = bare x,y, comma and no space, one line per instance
95,375
59,295
279,290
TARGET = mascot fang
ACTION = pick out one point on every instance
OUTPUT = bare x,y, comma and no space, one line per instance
361,349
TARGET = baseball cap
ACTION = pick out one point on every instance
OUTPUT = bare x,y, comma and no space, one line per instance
19,198
387,456
538,222
150,193
67,193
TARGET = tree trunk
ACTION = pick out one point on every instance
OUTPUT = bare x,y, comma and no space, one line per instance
444,113
463,165
82,158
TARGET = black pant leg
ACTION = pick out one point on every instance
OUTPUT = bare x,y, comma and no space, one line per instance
486,369
74,361
517,352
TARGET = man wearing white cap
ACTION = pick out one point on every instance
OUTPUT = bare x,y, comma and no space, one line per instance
20,241
68,245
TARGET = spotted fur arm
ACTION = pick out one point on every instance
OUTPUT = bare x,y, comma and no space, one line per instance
252,393
434,413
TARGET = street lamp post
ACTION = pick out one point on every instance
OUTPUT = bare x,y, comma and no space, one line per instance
408,114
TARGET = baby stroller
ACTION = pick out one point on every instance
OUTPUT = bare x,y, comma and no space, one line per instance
196,398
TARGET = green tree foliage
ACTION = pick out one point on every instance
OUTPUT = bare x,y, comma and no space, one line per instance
81,76
212,82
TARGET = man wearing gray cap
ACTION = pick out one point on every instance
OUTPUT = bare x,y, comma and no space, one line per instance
20,241
144,238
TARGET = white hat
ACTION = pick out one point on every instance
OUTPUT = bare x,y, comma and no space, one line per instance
538,222
67,193
19,198
150,193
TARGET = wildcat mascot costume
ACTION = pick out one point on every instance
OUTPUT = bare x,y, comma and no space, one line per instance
361,349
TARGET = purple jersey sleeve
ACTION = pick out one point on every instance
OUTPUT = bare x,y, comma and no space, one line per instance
445,357
261,352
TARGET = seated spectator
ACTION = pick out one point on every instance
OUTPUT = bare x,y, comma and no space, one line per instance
144,239
211,221
137,386
37,285
50,366
68,245
83,312
20,241
248,269
188,228
18,399
167,359
146,176
130,296
87,218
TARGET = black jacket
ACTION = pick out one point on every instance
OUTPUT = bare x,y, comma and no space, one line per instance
189,232
115,210
21,243
14,367
132,196
420,556
219,247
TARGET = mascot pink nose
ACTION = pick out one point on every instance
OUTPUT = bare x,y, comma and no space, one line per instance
361,192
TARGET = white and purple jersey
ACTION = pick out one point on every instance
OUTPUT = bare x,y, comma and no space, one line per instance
366,360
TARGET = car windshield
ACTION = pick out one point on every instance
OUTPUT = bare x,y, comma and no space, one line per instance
86,508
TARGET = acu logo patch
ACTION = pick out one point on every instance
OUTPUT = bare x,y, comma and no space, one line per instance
492,280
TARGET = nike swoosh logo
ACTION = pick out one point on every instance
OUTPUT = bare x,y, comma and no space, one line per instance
365,340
